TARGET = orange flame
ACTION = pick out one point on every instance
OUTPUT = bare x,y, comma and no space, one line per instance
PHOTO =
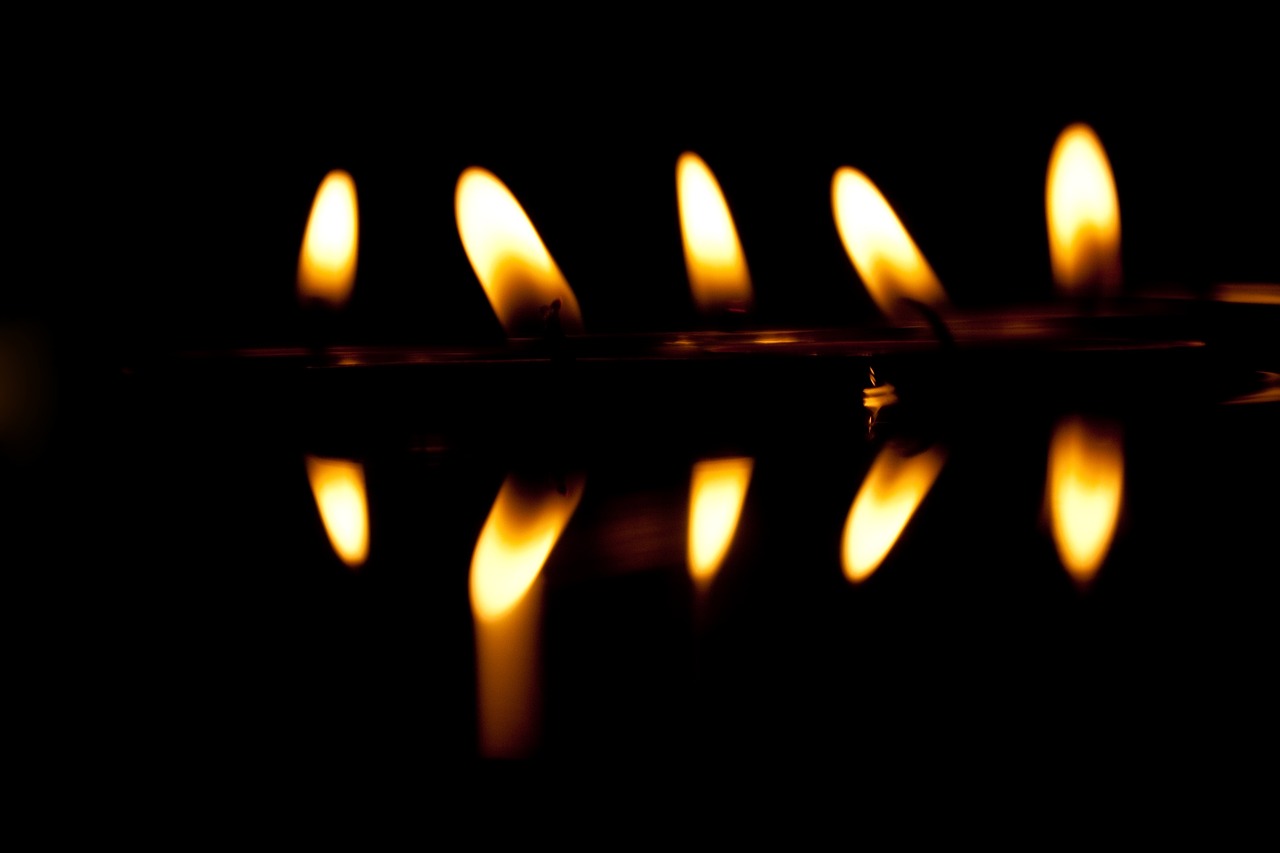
515,269
1085,488
712,252
716,495
518,536
522,528
894,488
338,486
1083,213
885,256
327,263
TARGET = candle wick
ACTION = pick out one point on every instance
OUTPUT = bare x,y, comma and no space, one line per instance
551,327
935,321
553,331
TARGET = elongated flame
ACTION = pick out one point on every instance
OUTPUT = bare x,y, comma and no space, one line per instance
523,526
1083,213
894,488
515,269
1085,488
885,256
327,263
712,252
716,495
338,486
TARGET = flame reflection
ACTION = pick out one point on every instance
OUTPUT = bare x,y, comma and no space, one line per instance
517,538
327,263
1085,487
338,486
886,258
1083,213
716,496
712,252
895,486
515,269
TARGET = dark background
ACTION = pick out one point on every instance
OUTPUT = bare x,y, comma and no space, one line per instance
171,558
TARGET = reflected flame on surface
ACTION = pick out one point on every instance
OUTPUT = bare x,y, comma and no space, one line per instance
522,528
506,601
716,496
712,252
515,269
1085,488
883,253
327,263
894,488
338,486
1083,213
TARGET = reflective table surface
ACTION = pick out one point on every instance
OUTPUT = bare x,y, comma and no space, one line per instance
225,627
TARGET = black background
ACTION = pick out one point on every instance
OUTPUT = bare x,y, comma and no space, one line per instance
181,574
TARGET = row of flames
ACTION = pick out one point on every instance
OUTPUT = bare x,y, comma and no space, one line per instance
520,278
1083,500
1083,496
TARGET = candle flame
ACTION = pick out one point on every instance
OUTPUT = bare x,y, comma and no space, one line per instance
894,488
522,528
1083,213
712,252
518,274
327,263
338,486
886,258
716,495
1085,489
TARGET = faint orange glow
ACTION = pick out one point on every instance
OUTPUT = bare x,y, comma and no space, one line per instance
515,269
895,486
1083,213
1085,488
1268,393
522,528
327,263
1249,293
712,253
338,486
716,495
882,251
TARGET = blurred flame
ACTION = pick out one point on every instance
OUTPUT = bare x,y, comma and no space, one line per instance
327,264
895,486
712,253
1083,213
515,269
522,528
716,495
1085,487
882,251
516,540
338,485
